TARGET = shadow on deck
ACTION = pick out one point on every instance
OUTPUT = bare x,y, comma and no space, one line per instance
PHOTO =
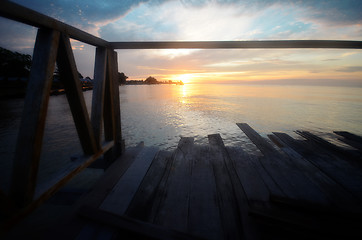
295,189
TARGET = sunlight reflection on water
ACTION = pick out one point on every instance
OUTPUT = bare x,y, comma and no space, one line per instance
159,115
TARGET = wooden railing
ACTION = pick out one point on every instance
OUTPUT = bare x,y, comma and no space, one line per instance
53,46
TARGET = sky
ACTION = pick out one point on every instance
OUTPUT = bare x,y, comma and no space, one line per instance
229,20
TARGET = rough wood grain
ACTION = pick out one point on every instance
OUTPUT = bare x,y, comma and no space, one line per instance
123,192
174,209
119,148
144,199
340,171
353,157
29,142
293,183
204,216
253,184
228,202
69,76
337,195
98,93
349,136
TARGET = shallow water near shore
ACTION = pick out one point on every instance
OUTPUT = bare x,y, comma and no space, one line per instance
160,114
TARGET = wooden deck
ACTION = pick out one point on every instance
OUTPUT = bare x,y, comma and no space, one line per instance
293,189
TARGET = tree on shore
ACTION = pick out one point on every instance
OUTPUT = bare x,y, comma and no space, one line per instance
151,80
122,78
14,64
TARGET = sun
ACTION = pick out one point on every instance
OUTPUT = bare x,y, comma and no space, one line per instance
185,78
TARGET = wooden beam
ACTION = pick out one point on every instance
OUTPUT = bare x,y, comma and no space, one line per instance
29,143
109,133
67,172
25,15
69,77
45,190
95,196
112,119
119,149
239,44
98,92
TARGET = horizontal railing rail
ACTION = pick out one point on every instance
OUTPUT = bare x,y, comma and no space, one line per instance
21,14
238,44
30,17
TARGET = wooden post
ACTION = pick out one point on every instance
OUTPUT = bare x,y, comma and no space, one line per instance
69,77
112,123
98,93
31,130
117,108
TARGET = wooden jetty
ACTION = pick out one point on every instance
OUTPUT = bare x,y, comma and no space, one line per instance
288,189
292,188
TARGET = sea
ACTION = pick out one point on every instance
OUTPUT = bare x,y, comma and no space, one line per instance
159,115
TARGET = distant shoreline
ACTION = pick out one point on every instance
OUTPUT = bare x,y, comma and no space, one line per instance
141,82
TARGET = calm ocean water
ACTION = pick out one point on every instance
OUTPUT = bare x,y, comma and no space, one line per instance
160,115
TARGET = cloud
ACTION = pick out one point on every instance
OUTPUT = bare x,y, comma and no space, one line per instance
162,20
17,36
334,12
83,13
331,59
350,69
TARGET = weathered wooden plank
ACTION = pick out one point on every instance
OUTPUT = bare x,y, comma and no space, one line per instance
352,143
253,184
69,77
174,208
337,195
293,183
350,136
29,142
204,216
261,143
143,201
95,197
354,158
228,203
161,193
98,93
239,44
25,15
131,228
123,192
111,176
340,171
